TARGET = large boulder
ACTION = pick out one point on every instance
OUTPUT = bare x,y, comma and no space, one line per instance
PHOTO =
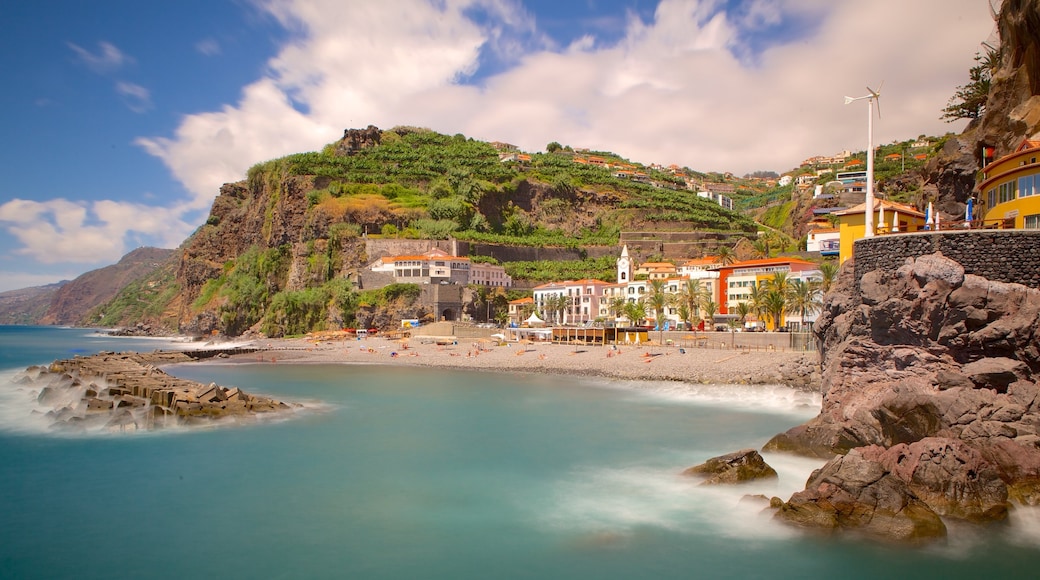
854,494
948,475
738,467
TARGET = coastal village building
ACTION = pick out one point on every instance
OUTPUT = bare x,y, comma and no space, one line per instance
1009,193
581,301
439,267
824,240
890,217
739,278
588,301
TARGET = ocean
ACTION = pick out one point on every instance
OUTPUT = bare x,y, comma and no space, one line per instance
402,472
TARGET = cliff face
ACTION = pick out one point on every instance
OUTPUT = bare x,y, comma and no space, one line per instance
74,300
1012,110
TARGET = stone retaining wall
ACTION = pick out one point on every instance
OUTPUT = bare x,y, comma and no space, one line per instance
1001,255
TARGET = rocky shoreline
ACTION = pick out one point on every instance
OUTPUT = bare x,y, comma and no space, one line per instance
931,405
120,392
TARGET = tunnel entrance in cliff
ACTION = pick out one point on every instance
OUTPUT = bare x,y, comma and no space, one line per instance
448,315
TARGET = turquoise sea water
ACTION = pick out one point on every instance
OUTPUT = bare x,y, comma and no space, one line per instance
418,473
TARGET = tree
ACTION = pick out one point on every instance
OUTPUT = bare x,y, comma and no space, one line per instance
829,271
743,310
657,300
553,147
774,306
804,298
635,312
710,308
617,306
969,101
724,256
692,296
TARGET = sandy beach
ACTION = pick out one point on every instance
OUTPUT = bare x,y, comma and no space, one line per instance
645,362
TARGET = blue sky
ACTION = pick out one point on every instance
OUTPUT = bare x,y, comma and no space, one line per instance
122,118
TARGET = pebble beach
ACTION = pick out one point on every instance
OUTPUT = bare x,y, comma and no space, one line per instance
643,362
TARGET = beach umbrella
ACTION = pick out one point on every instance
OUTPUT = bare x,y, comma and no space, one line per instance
881,215
968,211
937,220
895,221
928,219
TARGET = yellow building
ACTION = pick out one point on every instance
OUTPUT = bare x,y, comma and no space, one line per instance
1009,194
852,223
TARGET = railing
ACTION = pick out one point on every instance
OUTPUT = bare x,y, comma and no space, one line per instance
997,224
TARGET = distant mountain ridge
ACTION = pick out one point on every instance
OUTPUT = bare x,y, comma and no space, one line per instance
72,301
27,305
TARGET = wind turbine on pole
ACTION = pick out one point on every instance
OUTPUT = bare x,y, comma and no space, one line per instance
873,97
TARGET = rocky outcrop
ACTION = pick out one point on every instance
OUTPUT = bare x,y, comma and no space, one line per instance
855,493
127,392
738,467
355,140
949,475
930,373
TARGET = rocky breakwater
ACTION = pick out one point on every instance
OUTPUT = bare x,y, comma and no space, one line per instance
128,392
931,403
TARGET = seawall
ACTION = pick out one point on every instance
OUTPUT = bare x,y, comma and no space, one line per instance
1011,256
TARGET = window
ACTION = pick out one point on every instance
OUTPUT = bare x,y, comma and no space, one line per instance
1006,191
1029,185
991,197
1032,222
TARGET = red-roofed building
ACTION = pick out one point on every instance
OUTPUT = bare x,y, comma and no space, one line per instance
440,267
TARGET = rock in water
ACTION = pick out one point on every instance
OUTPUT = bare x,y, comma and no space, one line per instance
744,465
855,494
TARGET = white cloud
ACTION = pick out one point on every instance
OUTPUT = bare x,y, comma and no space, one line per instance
137,98
61,231
107,59
670,91
208,47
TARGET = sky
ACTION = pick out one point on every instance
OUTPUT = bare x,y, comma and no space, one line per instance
121,119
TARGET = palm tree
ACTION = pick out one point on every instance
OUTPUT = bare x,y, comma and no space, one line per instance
829,271
683,310
761,246
635,311
804,298
780,283
657,300
743,310
710,308
774,306
617,306
724,256
693,296
756,300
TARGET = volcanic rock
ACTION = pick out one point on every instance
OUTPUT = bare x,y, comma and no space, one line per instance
856,494
739,467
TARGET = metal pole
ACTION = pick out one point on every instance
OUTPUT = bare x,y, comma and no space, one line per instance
869,209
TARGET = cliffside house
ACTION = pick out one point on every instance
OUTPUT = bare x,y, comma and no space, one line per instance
852,222
1009,193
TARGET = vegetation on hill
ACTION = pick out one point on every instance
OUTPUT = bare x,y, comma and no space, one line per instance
421,184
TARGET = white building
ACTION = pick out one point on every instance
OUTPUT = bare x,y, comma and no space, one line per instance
439,267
